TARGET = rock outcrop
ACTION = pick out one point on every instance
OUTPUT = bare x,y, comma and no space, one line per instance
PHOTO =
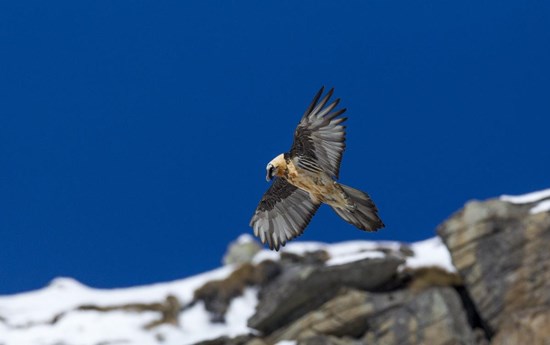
241,251
499,293
301,288
374,300
502,251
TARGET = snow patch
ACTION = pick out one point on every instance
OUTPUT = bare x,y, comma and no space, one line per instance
92,327
543,206
264,255
344,259
430,252
245,238
348,247
63,295
196,325
526,198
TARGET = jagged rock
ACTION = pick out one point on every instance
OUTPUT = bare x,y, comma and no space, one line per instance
217,294
241,251
433,317
528,327
302,288
345,314
502,252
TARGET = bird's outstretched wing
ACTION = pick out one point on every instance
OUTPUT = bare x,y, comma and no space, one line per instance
282,214
319,139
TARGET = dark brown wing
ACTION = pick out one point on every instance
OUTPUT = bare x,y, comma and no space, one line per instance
319,139
282,214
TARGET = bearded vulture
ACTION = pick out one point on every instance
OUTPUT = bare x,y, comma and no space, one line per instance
305,177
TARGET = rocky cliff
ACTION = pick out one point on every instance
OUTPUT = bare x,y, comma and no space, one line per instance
496,290
499,293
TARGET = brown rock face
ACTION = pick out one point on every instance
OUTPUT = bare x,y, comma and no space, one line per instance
302,288
502,253
433,317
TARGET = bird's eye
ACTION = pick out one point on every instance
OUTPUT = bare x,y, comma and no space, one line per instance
271,168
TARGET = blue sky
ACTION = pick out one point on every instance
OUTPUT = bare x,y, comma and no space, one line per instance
134,135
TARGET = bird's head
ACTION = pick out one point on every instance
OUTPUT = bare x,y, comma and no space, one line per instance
275,167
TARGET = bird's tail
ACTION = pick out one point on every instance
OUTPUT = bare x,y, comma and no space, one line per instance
363,214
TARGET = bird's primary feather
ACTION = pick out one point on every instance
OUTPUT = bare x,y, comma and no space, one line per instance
320,136
282,214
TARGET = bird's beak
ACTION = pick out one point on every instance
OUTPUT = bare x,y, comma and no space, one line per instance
269,174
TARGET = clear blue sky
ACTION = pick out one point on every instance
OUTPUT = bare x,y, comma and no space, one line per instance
134,135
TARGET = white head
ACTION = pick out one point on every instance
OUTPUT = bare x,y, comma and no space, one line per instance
276,167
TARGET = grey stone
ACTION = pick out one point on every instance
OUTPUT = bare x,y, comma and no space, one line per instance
241,251
502,253
346,314
432,317
302,288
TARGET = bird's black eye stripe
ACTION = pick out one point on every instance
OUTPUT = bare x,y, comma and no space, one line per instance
271,171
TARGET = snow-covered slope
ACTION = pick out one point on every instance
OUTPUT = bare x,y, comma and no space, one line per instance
57,314
51,315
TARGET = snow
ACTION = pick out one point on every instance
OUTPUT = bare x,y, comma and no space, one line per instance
245,238
197,327
345,248
65,294
264,255
526,198
543,206
287,342
27,318
342,248
344,259
92,327
339,253
430,252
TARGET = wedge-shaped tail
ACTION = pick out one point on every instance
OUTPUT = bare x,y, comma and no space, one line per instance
364,215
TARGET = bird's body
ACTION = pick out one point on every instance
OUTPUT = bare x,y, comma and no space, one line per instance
306,177
320,186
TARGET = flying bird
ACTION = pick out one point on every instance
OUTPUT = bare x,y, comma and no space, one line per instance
305,177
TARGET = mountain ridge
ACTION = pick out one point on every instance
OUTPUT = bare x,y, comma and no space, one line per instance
355,292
